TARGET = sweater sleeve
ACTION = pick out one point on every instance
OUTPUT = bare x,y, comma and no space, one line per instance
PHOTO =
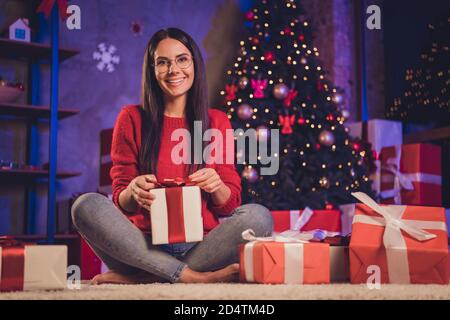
227,171
124,156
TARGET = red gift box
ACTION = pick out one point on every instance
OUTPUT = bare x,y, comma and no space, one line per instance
411,174
407,244
329,220
91,265
268,260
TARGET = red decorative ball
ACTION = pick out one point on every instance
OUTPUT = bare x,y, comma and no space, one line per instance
356,146
287,30
255,41
268,56
301,37
318,146
249,15
330,117
301,121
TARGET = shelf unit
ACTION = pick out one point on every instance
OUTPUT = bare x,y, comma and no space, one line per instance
31,51
31,111
27,174
34,54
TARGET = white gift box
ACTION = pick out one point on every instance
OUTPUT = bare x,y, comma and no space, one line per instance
176,215
45,267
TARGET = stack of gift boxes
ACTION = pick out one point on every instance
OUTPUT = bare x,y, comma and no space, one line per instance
402,235
409,178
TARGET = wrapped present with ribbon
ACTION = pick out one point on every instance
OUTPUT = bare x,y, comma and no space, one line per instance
176,212
27,267
406,244
307,220
411,175
283,258
380,133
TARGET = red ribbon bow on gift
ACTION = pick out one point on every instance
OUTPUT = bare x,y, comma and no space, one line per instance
47,5
177,182
13,264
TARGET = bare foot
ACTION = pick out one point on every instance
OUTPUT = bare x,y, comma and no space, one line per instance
228,274
114,277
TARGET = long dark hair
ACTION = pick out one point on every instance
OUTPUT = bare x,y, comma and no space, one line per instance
152,108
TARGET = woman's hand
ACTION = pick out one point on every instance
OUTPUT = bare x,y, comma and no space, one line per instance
207,179
140,190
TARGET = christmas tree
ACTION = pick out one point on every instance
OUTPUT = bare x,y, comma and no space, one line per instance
427,94
277,82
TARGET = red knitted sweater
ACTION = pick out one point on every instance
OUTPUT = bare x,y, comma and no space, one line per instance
126,144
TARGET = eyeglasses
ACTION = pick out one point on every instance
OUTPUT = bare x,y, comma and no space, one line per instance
182,62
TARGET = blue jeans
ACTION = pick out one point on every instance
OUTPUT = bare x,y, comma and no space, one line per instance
126,249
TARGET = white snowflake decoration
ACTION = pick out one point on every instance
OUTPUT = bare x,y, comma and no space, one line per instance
106,57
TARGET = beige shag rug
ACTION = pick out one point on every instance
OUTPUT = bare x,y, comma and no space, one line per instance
158,291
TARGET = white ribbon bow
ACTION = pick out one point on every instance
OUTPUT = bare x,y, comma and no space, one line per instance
393,241
286,236
300,220
404,180
303,218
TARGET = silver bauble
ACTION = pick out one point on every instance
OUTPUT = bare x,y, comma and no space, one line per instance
338,98
345,113
262,133
324,182
326,138
243,82
244,111
280,91
250,174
